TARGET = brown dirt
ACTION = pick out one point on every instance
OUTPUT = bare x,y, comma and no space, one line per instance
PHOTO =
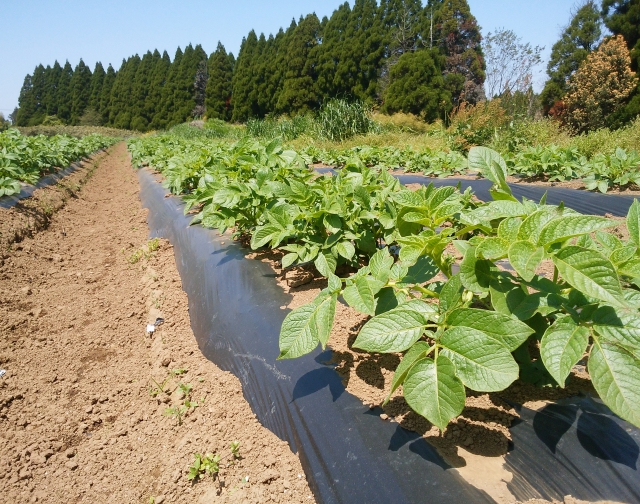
33,214
78,418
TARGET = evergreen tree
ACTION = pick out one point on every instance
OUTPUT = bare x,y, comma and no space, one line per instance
567,54
242,83
97,79
218,94
105,93
266,89
27,103
334,38
38,89
165,110
359,61
417,85
139,91
183,93
456,32
153,101
80,91
622,17
600,86
120,110
52,81
299,93
64,93
276,70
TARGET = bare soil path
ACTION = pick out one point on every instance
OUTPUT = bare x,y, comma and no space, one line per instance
82,418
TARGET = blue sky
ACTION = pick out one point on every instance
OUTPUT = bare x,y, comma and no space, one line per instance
41,31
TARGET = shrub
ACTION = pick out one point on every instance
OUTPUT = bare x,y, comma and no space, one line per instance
600,86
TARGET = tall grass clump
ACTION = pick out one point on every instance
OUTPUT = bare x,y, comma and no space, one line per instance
338,120
283,127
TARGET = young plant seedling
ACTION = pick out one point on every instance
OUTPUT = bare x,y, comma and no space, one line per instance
209,464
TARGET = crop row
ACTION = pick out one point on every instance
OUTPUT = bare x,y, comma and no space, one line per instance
27,158
426,267
551,163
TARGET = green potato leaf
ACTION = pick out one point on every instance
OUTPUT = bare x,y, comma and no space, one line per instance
507,330
561,347
615,374
559,230
392,331
525,257
482,363
433,390
590,272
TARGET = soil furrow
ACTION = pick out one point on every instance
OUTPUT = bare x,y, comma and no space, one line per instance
92,407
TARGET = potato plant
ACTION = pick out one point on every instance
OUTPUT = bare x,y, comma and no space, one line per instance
473,330
459,320
26,159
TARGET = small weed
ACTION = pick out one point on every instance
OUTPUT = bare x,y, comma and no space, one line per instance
178,371
145,252
158,388
177,412
186,388
209,464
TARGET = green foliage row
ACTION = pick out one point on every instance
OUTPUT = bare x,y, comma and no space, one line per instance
27,158
473,329
602,172
75,131
458,323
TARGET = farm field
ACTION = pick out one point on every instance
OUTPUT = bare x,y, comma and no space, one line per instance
350,252
80,419
379,272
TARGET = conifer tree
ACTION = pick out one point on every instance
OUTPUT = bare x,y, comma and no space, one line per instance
64,93
243,108
417,85
457,34
139,91
578,39
266,91
359,60
183,94
218,94
120,112
277,69
51,89
97,79
165,111
153,101
38,89
334,38
26,102
80,91
299,92
105,93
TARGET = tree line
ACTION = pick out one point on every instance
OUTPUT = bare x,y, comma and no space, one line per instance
400,54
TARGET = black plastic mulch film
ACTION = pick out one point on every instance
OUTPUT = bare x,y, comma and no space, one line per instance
349,454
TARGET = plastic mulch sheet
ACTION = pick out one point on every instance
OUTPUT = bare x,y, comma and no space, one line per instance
349,454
